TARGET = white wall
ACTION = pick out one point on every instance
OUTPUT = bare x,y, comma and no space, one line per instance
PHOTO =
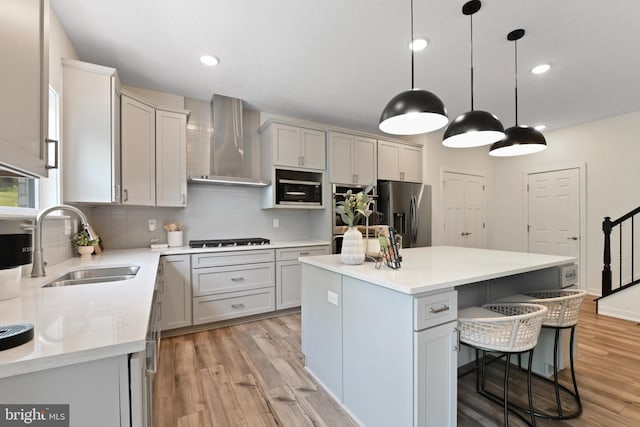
610,148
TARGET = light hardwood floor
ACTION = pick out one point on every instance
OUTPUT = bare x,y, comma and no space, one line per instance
253,375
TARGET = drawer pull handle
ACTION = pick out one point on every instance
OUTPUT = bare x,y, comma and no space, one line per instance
445,307
237,306
237,279
304,253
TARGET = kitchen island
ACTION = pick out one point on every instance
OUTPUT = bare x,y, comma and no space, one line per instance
384,342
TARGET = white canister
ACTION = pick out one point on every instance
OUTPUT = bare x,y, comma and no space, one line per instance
174,238
10,283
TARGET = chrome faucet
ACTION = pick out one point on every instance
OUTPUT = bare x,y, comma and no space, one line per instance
38,259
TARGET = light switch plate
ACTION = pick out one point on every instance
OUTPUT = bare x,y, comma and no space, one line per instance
332,297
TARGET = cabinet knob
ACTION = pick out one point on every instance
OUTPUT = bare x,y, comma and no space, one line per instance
237,306
237,279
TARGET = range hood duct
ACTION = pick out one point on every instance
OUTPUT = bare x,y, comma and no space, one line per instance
228,151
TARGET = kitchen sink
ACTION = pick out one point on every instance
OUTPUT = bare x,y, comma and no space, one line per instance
95,275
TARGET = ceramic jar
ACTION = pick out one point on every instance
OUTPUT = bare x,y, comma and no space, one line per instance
352,247
85,251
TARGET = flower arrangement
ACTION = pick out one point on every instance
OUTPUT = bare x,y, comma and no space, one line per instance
355,206
81,238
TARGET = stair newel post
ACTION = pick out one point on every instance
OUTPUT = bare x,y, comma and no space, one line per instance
606,271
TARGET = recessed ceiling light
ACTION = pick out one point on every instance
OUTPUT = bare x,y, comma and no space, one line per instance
209,60
541,69
540,128
418,44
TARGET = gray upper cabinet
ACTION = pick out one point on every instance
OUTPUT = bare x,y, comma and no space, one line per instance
91,133
24,84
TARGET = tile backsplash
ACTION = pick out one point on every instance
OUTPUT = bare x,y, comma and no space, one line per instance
56,244
212,212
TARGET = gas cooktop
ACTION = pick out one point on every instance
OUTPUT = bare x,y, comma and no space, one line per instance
218,243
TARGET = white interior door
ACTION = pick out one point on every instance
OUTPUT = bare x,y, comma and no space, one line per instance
554,212
464,209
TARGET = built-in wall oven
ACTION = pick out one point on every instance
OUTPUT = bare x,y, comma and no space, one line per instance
143,366
338,226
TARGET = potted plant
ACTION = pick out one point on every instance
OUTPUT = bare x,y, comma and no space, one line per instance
83,243
351,210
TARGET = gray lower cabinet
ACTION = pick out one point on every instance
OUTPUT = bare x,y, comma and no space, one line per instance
288,273
175,291
232,284
436,370
97,392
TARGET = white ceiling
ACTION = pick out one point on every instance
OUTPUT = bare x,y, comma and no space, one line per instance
341,61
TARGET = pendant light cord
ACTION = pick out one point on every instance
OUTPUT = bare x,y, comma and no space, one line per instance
516,88
412,47
471,20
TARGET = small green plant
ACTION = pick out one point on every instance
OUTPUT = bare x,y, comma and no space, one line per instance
81,238
355,206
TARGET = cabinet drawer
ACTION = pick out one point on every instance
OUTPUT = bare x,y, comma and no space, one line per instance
292,254
235,304
432,310
214,259
215,280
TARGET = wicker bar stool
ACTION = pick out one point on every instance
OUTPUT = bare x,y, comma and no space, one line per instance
506,328
563,308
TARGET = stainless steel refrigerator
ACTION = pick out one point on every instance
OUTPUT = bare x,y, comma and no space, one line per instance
406,207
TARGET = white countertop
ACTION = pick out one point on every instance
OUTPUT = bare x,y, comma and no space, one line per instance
441,267
79,323
273,245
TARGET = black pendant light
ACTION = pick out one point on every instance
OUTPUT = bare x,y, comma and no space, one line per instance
413,111
519,140
473,128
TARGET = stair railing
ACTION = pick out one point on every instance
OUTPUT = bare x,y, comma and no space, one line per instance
607,228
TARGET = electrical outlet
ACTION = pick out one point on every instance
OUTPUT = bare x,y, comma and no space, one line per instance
152,225
332,297
276,223
67,227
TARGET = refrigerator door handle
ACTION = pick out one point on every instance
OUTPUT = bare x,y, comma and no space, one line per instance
413,221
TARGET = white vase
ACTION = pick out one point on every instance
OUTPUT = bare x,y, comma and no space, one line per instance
85,251
352,251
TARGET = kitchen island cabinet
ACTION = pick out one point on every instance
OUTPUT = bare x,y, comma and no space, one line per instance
383,342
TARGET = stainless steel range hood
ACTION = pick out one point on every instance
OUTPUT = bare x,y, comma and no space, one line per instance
223,144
